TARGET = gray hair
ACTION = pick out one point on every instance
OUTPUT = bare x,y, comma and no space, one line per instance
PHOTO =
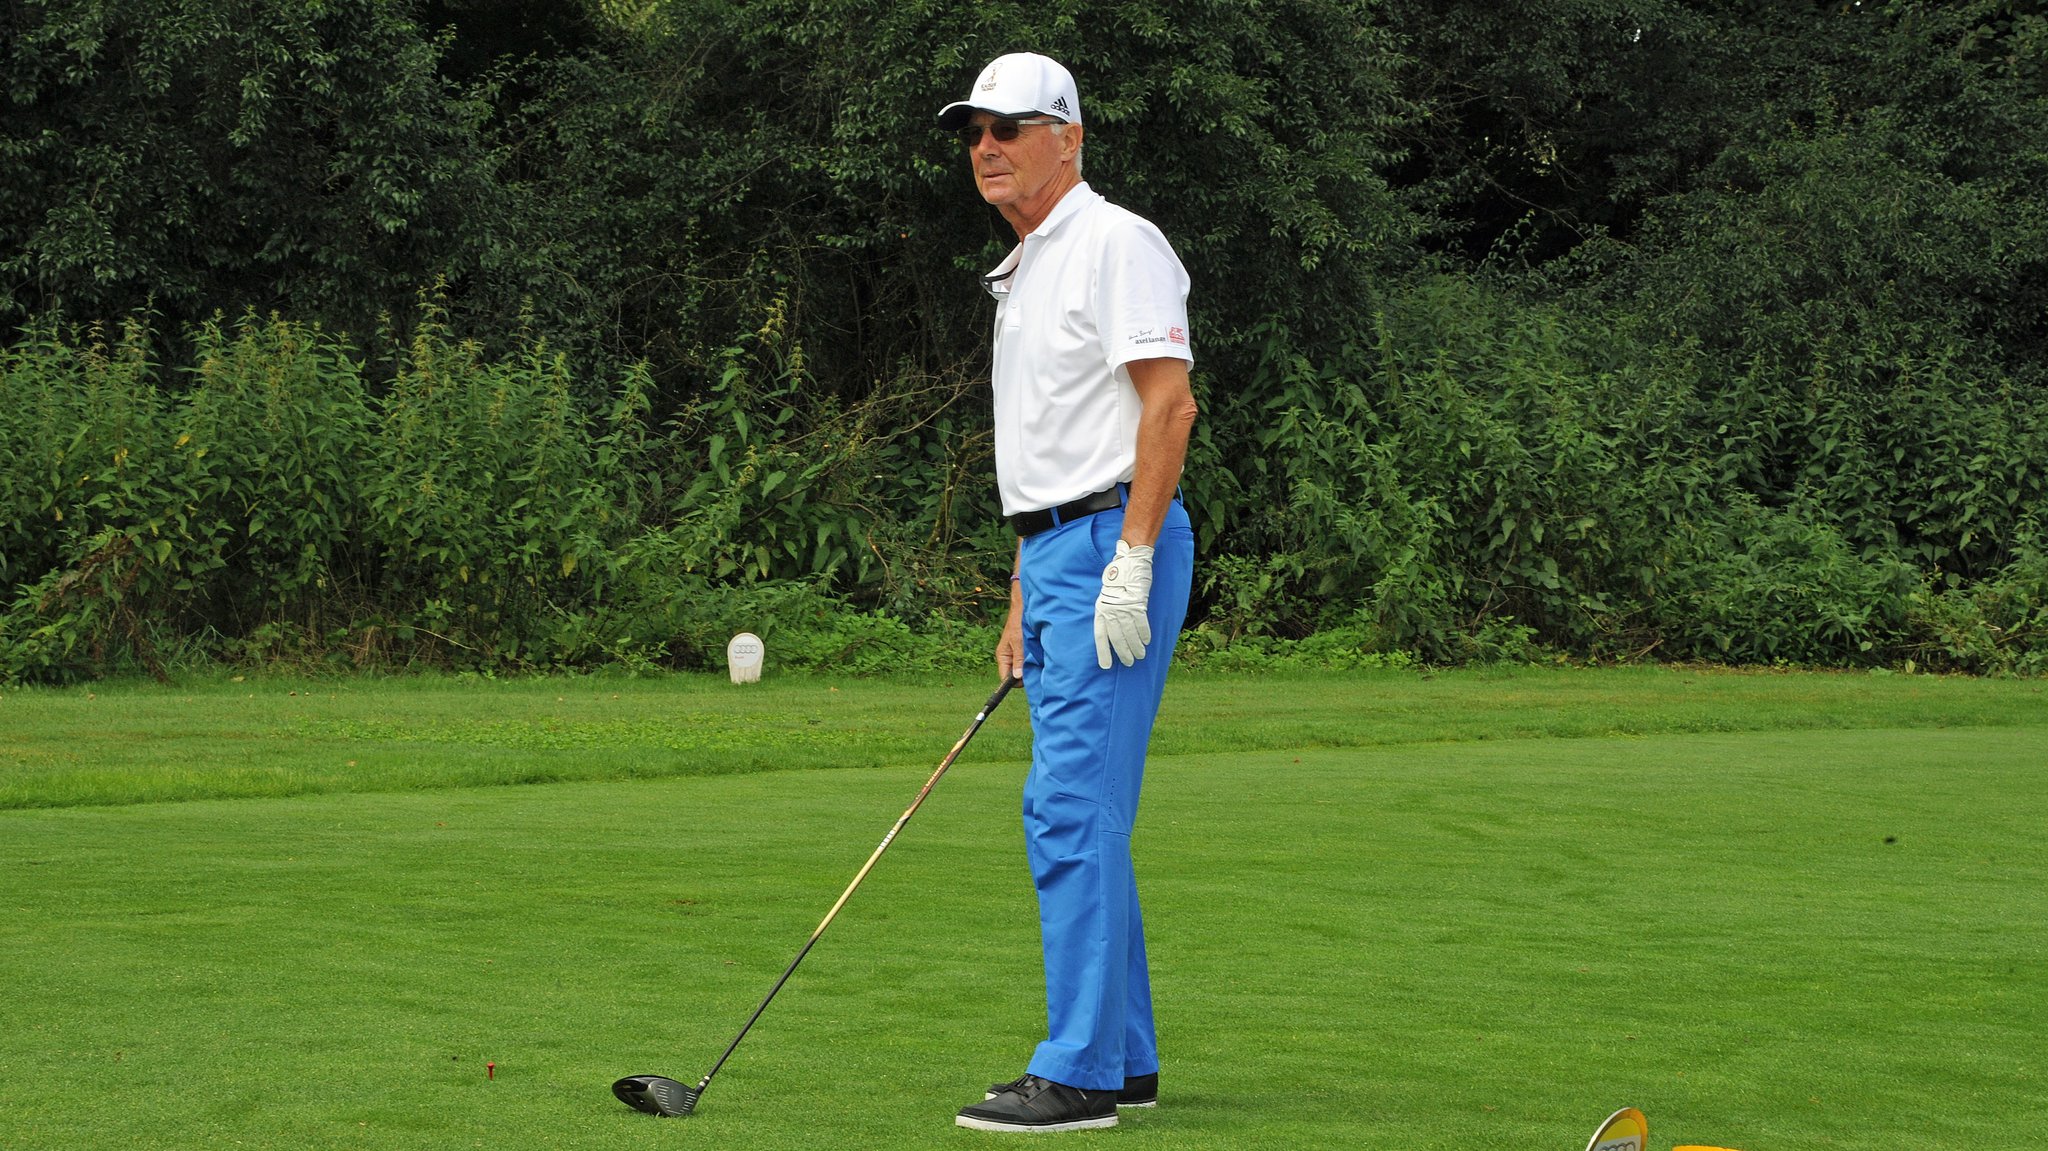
1061,130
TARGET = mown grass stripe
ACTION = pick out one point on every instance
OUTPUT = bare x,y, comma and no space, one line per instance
143,743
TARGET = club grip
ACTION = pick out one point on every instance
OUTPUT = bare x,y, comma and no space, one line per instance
1009,681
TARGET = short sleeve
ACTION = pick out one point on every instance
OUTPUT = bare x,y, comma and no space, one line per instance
1142,296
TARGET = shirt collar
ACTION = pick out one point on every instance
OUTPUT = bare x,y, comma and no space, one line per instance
1078,197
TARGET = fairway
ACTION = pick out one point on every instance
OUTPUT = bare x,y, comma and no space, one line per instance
1773,912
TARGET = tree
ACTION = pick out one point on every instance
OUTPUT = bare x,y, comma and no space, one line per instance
305,157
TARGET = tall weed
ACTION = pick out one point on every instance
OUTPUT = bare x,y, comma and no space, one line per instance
105,528
277,416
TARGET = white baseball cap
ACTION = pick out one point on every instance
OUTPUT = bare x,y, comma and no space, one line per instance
1019,84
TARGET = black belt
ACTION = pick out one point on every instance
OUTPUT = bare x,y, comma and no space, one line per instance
1046,519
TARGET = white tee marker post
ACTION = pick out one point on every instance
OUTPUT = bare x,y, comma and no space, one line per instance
744,655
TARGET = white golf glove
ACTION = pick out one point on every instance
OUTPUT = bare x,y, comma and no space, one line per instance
1120,622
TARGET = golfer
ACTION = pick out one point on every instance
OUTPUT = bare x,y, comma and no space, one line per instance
1092,415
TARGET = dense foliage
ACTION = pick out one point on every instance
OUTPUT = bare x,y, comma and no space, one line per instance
509,334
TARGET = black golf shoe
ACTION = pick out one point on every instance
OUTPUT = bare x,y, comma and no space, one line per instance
1035,1104
1137,1091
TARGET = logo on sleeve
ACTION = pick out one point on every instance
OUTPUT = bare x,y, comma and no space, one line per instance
1177,335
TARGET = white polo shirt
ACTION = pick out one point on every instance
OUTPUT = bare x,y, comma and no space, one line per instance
1093,288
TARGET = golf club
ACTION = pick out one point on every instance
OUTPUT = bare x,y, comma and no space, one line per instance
657,1095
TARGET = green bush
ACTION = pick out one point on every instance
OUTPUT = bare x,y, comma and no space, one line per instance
1768,586
277,416
469,511
1994,627
107,529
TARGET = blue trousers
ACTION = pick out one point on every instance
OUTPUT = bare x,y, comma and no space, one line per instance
1089,728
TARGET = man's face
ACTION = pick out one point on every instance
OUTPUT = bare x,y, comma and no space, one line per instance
1024,174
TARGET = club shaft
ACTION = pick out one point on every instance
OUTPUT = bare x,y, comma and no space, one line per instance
981,717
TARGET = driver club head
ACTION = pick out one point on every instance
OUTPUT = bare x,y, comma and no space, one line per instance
656,1095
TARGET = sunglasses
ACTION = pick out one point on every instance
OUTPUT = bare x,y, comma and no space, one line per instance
1003,130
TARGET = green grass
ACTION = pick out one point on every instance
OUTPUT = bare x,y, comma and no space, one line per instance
226,738
1475,911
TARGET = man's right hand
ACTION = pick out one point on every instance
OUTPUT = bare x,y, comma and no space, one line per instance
1010,648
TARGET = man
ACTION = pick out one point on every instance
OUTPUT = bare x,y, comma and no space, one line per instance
1092,415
